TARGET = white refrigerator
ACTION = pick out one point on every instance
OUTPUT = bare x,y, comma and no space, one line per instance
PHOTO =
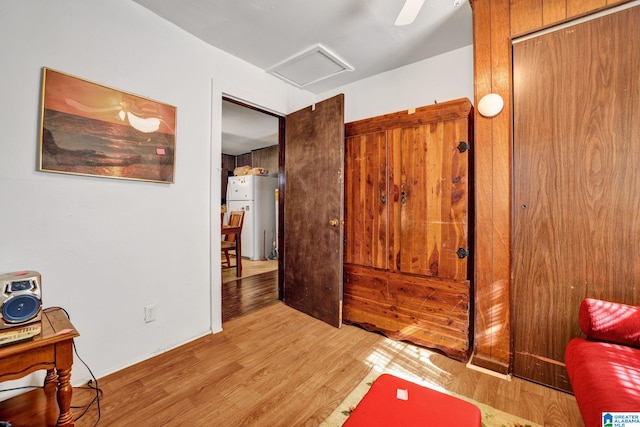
255,195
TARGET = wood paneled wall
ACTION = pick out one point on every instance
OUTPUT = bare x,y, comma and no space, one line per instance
492,53
495,22
532,15
243,160
266,158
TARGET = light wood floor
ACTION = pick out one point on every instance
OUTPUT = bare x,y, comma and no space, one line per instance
249,268
279,367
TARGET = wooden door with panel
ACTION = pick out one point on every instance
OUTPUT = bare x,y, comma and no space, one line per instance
313,217
576,184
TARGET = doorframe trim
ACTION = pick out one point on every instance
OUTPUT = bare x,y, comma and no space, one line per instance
281,164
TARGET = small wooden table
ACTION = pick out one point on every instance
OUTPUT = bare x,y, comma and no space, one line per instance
229,229
52,350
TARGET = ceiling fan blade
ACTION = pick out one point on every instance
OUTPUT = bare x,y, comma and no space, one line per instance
409,12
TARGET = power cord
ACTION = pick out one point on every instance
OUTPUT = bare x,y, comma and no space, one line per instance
92,384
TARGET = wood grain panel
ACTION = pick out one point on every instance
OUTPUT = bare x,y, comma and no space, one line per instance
427,188
526,15
501,129
366,200
313,248
414,250
440,294
553,11
442,111
492,66
578,7
395,180
266,158
492,70
435,187
483,156
577,185
243,160
427,311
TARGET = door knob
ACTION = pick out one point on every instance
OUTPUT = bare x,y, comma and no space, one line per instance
334,222
462,253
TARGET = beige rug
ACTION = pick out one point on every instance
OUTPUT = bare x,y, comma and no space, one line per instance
491,417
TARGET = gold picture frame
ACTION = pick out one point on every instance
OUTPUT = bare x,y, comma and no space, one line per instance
91,129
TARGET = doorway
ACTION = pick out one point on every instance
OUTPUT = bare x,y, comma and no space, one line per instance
315,160
251,139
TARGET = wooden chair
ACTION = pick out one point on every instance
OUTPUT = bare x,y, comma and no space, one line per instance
231,240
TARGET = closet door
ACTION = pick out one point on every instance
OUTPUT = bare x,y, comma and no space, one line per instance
576,207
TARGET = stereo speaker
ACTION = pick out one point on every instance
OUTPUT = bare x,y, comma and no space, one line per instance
20,298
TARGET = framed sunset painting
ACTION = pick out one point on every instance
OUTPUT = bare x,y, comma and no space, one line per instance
91,129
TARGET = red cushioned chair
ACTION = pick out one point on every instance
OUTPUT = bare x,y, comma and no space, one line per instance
604,367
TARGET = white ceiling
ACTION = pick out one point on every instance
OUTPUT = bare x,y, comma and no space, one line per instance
360,33
245,129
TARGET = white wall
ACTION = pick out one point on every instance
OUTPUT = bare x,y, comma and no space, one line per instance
441,78
106,247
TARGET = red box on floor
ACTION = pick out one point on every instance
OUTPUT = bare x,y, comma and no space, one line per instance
381,406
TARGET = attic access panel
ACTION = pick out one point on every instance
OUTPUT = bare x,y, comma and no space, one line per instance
310,66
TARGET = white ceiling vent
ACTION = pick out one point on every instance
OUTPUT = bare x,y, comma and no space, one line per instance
310,66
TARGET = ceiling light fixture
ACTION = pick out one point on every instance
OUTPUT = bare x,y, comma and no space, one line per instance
490,105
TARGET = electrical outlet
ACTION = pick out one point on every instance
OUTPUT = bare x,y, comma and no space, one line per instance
149,313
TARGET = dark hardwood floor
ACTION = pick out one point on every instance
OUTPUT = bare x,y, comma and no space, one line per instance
244,296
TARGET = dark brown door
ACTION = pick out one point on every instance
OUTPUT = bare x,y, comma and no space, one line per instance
313,240
576,220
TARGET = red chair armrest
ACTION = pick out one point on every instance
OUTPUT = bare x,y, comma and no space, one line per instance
610,321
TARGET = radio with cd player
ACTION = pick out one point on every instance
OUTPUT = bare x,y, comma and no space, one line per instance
20,298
